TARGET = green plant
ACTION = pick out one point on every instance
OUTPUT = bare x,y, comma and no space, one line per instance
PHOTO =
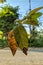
8,15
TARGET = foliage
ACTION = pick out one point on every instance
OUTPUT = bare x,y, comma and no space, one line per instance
21,37
35,10
3,41
8,15
36,15
33,19
36,41
1,33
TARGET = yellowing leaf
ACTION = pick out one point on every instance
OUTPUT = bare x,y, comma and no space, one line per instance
12,42
35,10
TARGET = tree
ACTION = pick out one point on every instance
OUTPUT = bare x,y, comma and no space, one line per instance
8,15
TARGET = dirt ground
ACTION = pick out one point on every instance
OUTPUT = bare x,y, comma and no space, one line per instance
34,57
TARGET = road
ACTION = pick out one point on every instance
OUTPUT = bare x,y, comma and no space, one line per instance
34,57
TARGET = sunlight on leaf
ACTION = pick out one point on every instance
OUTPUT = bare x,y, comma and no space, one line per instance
35,10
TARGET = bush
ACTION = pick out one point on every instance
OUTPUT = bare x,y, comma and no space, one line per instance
36,42
3,43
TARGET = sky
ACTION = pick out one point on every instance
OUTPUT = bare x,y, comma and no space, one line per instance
24,6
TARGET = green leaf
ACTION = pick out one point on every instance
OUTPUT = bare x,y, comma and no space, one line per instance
18,21
33,22
21,37
36,15
35,10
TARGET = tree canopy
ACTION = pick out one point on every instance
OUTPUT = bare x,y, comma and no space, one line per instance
8,15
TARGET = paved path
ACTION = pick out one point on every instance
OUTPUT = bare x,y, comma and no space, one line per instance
34,57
